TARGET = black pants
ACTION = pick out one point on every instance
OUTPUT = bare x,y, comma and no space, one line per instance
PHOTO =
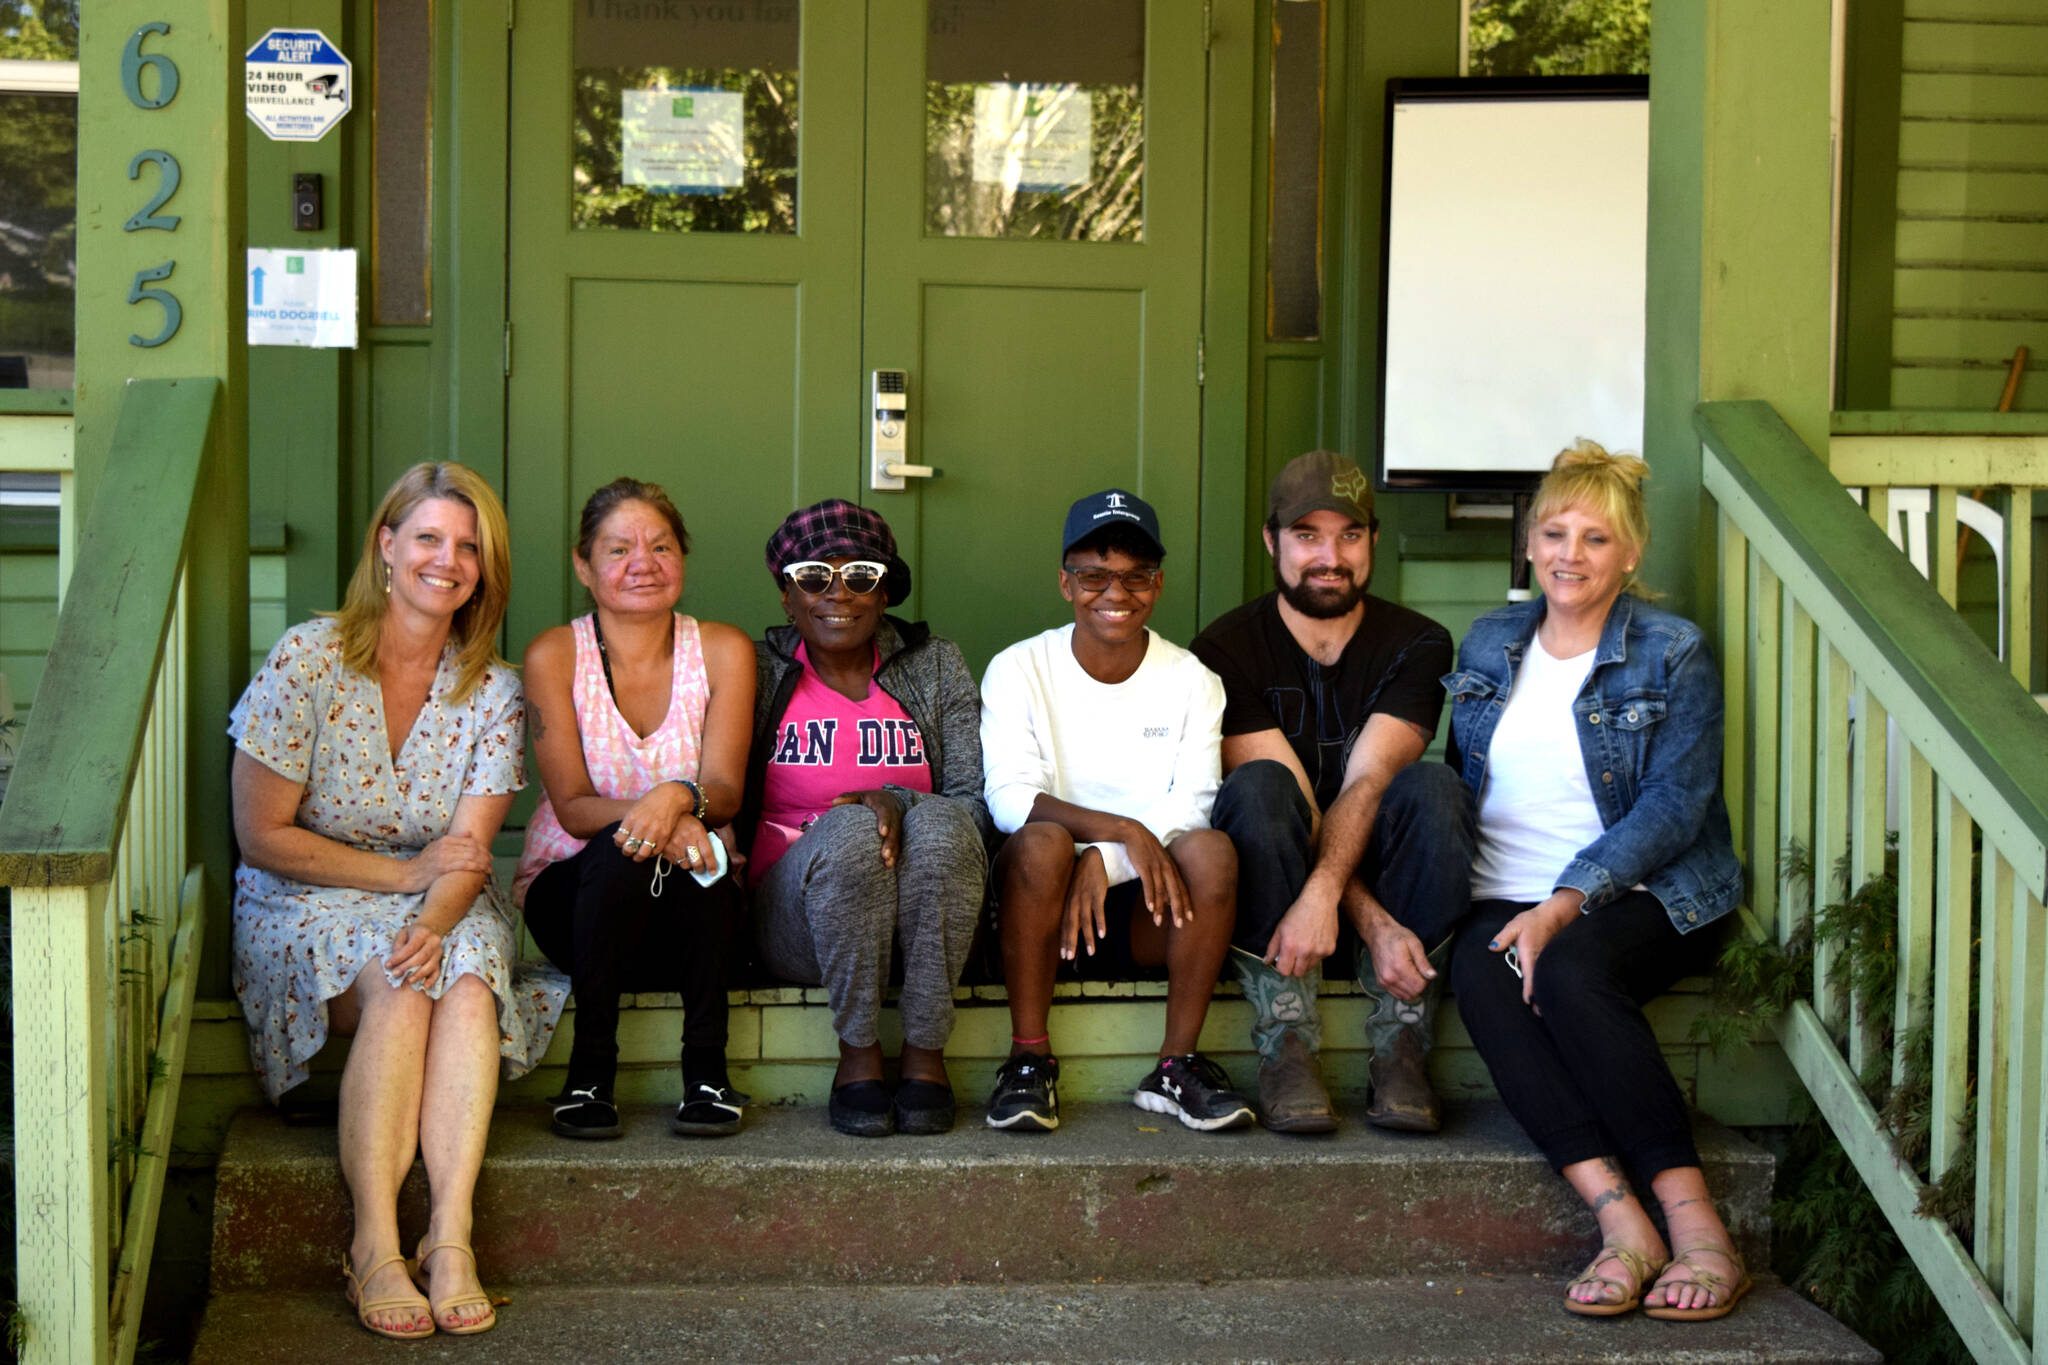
596,917
1585,1078
1418,861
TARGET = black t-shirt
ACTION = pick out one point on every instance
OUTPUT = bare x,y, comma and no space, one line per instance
1392,666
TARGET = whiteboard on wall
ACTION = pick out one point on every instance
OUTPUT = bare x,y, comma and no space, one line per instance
1512,284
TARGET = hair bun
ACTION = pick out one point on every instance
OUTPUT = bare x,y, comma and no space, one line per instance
1589,456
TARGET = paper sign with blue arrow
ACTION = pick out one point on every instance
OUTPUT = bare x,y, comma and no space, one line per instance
302,298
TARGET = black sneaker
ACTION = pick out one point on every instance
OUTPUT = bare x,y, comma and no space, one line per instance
1194,1090
1026,1097
587,1112
708,1111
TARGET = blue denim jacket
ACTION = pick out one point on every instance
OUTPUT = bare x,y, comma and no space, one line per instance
1649,725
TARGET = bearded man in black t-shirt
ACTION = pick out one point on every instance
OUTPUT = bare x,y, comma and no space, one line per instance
1331,695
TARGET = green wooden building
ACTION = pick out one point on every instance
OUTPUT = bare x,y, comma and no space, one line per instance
1847,244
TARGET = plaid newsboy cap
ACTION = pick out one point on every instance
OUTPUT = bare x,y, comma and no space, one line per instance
833,528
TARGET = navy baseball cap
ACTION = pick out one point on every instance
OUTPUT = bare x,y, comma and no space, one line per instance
1107,508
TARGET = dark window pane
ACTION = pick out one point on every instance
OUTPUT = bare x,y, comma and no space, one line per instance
402,173
686,117
1035,119
1294,222
38,239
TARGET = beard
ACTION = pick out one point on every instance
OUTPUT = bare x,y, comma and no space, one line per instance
1317,602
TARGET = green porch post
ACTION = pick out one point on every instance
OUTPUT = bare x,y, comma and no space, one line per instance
1738,253
199,130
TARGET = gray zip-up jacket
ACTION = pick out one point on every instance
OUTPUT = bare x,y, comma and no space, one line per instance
928,677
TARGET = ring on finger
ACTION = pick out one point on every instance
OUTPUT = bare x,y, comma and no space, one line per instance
693,855
631,843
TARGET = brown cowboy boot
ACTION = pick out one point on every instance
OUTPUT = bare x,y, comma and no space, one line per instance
1399,1033
1286,1029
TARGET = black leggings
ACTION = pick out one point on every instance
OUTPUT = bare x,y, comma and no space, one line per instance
595,915
1585,1078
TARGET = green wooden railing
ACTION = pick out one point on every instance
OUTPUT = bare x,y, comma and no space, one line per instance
108,899
1826,633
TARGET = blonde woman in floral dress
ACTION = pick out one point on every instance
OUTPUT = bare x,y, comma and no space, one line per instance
377,753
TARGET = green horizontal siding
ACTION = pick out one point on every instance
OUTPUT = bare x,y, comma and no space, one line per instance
1971,278
1974,11
2008,49
28,616
1988,292
28,619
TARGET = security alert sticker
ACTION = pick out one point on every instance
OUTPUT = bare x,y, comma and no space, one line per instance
297,84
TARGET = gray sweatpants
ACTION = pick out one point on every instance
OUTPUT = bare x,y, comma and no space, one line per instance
829,913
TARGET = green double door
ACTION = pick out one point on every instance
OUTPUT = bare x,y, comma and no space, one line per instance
726,217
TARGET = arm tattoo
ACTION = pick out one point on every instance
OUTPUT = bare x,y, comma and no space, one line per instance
1674,1208
534,724
1613,1196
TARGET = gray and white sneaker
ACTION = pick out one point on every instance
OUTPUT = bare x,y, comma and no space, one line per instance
1194,1090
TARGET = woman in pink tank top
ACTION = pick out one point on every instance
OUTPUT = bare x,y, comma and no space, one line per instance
640,718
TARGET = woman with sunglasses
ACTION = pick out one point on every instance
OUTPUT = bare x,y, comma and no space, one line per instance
864,810
639,718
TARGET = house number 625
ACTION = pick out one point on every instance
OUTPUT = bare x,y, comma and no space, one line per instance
133,60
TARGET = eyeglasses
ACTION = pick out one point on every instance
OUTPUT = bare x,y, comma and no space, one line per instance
1098,580
814,576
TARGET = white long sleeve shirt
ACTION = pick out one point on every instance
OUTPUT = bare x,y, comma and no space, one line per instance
1149,748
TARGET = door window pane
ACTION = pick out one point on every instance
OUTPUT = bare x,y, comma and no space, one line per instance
1035,119
686,117
1294,192
402,165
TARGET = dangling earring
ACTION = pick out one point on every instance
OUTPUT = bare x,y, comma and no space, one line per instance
387,579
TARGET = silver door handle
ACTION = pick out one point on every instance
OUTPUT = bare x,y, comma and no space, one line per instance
910,471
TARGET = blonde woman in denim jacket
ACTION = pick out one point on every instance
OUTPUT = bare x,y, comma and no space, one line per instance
1587,725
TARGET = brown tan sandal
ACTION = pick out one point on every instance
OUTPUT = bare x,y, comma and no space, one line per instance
1640,1266
1717,1285
417,1268
365,1307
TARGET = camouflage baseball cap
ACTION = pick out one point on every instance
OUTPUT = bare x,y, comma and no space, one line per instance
1320,481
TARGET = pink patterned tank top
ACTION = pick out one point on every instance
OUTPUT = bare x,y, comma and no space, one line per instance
622,764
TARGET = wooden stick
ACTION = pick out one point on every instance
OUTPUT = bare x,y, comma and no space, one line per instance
2005,402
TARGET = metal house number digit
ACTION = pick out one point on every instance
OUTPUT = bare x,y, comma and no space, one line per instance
147,216
174,314
133,59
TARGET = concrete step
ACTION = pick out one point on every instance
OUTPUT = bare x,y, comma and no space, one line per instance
1513,1320
1116,1195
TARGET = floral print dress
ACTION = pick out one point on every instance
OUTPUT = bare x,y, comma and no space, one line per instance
313,720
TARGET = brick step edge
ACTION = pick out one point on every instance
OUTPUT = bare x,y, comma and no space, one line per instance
1516,1320
1115,1193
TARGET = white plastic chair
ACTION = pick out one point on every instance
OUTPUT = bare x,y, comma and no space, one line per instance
1911,510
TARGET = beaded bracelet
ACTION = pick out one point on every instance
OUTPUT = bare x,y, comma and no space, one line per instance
699,806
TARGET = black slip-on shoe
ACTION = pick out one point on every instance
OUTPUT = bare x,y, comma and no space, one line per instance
924,1108
586,1112
862,1109
709,1111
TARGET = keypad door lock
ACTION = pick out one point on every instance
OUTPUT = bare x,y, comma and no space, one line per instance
889,433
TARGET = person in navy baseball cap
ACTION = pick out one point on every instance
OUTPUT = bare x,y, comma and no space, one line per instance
1112,507
1101,749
